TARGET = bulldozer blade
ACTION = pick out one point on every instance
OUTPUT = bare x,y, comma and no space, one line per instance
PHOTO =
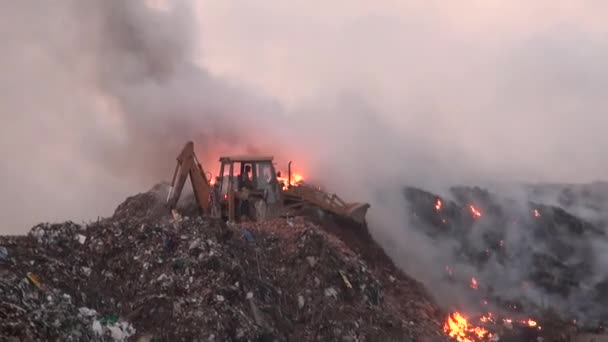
357,212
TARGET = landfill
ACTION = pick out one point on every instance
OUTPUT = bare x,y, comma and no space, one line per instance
146,275
521,258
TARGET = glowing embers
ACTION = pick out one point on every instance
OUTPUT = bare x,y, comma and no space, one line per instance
474,285
438,204
474,211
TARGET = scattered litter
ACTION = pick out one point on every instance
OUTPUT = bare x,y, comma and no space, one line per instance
34,279
176,279
3,254
248,236
345,279
331,292
311,261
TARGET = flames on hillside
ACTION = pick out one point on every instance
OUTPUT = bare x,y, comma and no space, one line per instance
487,327
475,211
482,328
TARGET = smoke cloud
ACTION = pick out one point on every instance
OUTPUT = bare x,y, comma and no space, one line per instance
98,97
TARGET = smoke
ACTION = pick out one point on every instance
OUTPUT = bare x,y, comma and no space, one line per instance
98,97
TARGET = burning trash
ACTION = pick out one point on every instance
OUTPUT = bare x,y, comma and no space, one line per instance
474,211
458,327
474,284
488,327
519,252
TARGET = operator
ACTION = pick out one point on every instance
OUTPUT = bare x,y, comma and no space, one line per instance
245,185
270,195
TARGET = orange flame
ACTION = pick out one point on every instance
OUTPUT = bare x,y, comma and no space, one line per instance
476,213
474,283
536,213
487,318
459,328
464,330
438,204
296,178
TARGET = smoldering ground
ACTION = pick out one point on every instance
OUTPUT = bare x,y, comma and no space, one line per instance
98,97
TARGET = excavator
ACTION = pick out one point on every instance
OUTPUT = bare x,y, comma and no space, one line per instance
257,192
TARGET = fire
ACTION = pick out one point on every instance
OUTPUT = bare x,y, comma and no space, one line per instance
438,204
487,318
459,328
474,283
462,329
296,178
476,213
536,213
468,330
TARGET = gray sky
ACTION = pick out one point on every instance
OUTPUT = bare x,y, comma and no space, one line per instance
96,98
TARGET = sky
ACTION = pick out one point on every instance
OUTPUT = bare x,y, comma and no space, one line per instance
97,98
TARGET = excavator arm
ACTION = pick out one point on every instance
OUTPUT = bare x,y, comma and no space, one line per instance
188,165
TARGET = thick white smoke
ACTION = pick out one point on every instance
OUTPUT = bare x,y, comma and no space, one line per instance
98,97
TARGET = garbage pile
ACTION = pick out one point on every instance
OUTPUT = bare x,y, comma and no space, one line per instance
529,259
145,275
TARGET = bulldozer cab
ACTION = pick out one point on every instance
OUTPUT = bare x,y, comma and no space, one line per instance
244,182
246,172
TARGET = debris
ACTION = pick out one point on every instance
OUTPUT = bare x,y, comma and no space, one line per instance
247,235
34,279
555,246
331,292
345,279
311,261
3,253
141,266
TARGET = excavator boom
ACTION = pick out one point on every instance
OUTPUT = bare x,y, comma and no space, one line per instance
188,165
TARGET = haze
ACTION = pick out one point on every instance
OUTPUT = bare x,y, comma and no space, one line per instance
96,98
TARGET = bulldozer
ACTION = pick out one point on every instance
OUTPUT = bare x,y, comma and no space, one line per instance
257,192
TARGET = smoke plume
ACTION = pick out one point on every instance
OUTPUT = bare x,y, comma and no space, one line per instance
98,97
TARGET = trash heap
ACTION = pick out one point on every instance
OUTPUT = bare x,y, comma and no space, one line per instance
522,258
145,275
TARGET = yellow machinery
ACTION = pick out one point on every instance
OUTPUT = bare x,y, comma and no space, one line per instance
249,187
